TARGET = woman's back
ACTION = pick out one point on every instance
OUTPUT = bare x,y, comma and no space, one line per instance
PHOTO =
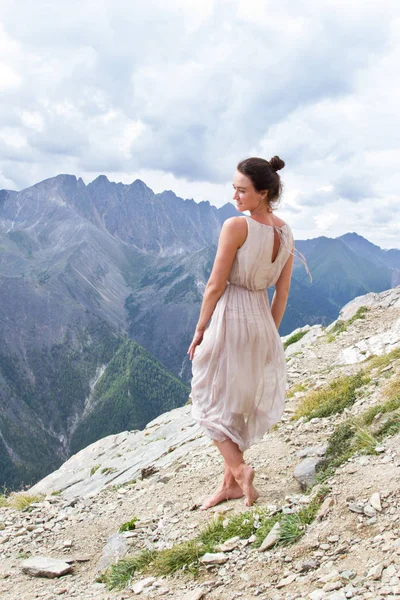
253,266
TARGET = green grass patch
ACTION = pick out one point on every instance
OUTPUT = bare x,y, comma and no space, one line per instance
21,501
186,556
341,325
119,575
129,525
294,338
94,469
298,387
380,362
108,470
333,398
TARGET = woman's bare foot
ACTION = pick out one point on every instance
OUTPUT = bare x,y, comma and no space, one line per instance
225,493
244,475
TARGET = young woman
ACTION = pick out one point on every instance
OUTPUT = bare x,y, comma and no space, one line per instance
239,366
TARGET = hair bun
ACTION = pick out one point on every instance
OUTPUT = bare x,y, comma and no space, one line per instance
276,163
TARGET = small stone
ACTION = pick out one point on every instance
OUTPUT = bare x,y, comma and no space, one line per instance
218,558
196,594
375,572
68,544
286,581
230,544
369,511
357,507
41,566
271,539
375,502
324,508
138,587
380,449
331,586
348,575
305,472
316,595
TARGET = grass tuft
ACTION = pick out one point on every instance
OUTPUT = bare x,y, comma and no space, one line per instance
298,387
380,362
341,325
294,338
186,555
129,525
333,398
119,575
22,501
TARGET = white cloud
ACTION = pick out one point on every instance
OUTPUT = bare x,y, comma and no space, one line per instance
178,93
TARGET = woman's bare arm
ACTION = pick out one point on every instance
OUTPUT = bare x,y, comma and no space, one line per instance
281,293
233,235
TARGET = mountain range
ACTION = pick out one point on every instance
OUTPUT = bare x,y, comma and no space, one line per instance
100,290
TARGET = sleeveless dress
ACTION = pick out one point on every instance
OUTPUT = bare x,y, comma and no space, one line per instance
239,369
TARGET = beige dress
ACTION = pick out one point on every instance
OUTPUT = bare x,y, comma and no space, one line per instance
239,369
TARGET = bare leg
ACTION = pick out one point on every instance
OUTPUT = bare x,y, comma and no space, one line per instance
242,473
229,490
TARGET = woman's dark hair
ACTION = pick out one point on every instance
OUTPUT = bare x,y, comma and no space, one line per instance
264,176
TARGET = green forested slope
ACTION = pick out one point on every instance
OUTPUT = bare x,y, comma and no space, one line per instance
134,389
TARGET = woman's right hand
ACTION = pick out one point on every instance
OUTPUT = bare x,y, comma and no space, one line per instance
197,339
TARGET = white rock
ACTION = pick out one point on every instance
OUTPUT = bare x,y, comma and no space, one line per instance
286,581
196,594
41,566
369,511
141,585
271,538
316,595
230,544
217,558
375,572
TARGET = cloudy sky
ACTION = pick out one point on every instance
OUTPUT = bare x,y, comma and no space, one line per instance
177,92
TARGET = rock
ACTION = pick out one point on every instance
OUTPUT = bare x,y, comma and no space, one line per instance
230,544
115,548
196,594
337,596
312,451
271,539
350,574
375,572
218,558
305,472
357,507
286,581
324,508
375,502
331,586
369,511
41,566
139,586
316,595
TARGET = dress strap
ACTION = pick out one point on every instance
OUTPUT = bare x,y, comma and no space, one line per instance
299,255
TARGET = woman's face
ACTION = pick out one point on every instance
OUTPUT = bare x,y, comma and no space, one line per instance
245,195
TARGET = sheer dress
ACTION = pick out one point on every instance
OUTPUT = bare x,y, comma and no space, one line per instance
239,369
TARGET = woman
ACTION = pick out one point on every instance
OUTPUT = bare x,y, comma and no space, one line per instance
239,366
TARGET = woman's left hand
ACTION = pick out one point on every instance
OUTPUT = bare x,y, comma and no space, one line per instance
197,339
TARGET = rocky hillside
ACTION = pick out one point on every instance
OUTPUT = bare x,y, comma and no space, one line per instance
326,526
